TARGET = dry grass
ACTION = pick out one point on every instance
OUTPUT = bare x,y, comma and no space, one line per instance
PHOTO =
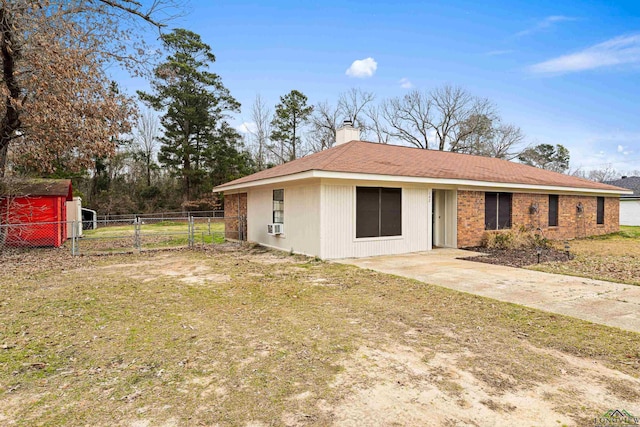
237,336
614,257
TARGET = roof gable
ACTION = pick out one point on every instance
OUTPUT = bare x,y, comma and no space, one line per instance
362,157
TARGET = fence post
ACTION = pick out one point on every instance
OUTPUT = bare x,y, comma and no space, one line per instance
73,238
193,231
209,225
136,234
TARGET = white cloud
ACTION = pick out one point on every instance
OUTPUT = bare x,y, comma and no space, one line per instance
545,23
362,68
617,51
405,83
247,127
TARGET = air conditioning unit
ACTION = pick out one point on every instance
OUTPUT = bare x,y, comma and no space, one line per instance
275,229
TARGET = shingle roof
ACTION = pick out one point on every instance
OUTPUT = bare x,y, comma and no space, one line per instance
37,187
385,159
630,182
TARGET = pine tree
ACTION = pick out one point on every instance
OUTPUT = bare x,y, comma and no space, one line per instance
195,105
290,115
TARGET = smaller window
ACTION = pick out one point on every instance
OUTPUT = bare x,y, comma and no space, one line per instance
278,206
553,210
600,214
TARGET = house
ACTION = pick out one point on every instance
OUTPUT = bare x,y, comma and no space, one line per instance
629,203
33,212
361,199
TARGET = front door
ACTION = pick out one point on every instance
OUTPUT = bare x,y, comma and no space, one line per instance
444,218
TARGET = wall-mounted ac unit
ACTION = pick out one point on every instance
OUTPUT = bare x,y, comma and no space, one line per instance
275,229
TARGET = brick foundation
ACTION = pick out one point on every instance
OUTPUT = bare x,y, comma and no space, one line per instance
235,210
571,223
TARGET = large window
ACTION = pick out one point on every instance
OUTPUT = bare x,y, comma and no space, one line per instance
553,210
378,212
497,211
278,206
600,213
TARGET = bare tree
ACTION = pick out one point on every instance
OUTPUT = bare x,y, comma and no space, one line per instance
602,175
146,137
438,119
261,119
453,107
410,118
484,136
58,107
378,125
324,122
351,106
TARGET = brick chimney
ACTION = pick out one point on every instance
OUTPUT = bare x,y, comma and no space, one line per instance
347,133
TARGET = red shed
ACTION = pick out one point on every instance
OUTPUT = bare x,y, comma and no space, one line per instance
35,212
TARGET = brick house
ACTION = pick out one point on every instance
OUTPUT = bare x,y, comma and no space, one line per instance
361,199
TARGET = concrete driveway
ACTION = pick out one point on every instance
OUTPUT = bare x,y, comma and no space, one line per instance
597,301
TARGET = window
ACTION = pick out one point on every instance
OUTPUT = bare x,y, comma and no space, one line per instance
378,212
600,213
278,206
497,211
553,210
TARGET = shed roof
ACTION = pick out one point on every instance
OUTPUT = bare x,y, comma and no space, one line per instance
630,182
37,187
362,157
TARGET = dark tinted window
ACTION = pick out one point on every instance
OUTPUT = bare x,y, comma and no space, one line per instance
600,215
553,210
278,206
490,211
378,212
390,212
367,212
497,211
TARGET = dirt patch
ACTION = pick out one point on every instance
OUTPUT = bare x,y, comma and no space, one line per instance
401,386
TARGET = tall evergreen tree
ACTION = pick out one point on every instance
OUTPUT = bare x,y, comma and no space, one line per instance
195,105
290,115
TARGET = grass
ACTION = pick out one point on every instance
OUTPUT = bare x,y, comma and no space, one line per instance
613,257
163,234
235,336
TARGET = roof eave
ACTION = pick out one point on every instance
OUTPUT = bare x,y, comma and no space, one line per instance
415,180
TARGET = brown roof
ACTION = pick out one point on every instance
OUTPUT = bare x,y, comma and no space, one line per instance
385,159
37,187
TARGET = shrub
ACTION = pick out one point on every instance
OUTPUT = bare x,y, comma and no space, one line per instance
518,237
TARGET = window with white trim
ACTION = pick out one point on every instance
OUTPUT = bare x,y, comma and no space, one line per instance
378,212
278,206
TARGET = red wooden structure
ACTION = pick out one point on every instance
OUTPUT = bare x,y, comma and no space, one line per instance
33,212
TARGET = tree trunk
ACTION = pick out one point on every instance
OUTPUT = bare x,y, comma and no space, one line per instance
10,122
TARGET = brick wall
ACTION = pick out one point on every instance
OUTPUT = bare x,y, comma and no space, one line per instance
571,223
470,218
235,209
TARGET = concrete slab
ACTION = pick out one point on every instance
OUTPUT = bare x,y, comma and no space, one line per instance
608,303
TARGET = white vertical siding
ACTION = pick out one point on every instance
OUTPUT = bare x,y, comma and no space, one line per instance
629,212
338,224
301,218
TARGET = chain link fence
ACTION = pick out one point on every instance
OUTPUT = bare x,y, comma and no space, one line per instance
123,235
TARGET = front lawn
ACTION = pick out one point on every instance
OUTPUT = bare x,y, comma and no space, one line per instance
233,336
614,257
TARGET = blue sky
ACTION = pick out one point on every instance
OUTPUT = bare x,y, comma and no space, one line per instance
566,72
